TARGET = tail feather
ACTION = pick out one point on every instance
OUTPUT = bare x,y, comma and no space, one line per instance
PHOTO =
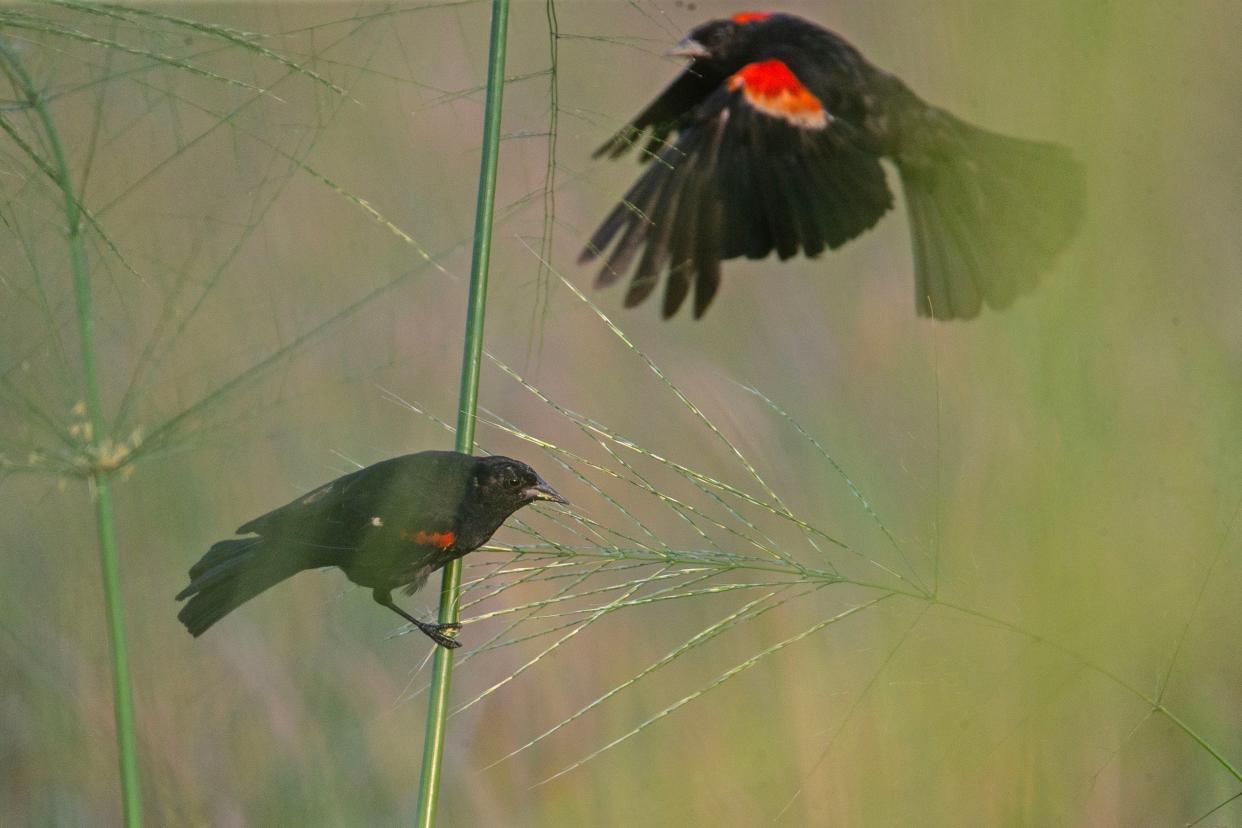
988,214
222,553
230,574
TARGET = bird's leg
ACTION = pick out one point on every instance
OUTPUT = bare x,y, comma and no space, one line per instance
436,632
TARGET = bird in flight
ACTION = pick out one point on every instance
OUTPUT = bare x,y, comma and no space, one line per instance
771,139
387,526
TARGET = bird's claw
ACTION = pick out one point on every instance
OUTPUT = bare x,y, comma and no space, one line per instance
442,634
444,641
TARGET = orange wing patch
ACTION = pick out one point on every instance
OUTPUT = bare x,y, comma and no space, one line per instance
742,18
440,540
771,88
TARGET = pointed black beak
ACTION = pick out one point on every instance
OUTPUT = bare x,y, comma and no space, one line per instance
688,47
542,491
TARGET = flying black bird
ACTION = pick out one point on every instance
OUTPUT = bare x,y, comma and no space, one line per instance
386,526
780,127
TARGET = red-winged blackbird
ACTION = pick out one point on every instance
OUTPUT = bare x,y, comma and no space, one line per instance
386,526
781,125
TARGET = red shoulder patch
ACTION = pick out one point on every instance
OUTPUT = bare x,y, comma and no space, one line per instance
440,540
771,88
741,18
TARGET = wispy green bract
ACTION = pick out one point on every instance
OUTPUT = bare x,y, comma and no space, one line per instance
98,457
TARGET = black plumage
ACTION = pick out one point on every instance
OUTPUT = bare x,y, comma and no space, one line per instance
771,141
387,526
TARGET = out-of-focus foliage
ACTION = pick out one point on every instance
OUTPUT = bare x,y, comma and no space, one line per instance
279,204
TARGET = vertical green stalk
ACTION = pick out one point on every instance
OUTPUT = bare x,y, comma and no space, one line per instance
122,698
58,169
472,359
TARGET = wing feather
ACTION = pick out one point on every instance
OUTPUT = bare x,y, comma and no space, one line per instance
758,166
663,115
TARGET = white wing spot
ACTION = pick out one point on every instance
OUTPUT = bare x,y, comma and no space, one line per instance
377,521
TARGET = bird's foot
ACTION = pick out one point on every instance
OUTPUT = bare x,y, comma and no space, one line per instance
442,634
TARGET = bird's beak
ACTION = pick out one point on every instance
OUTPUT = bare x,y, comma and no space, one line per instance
542,491
688,47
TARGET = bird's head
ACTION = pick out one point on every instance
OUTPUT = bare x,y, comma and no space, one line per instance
724,41
506,485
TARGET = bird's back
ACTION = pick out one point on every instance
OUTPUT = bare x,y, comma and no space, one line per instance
431,483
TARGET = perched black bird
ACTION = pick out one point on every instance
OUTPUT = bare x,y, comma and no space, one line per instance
780,127
386,526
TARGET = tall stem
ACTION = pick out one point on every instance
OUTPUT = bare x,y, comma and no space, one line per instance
472,359
123,704
131,794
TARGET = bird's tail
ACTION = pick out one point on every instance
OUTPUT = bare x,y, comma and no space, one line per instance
988,213
230,574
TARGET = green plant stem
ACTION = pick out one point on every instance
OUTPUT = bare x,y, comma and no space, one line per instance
472,360
131,794
122,696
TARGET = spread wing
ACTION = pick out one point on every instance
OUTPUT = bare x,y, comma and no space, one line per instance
667,112
759,165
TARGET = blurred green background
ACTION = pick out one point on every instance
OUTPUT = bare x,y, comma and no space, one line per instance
1071,467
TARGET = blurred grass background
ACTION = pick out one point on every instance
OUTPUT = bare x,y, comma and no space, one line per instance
1071,466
